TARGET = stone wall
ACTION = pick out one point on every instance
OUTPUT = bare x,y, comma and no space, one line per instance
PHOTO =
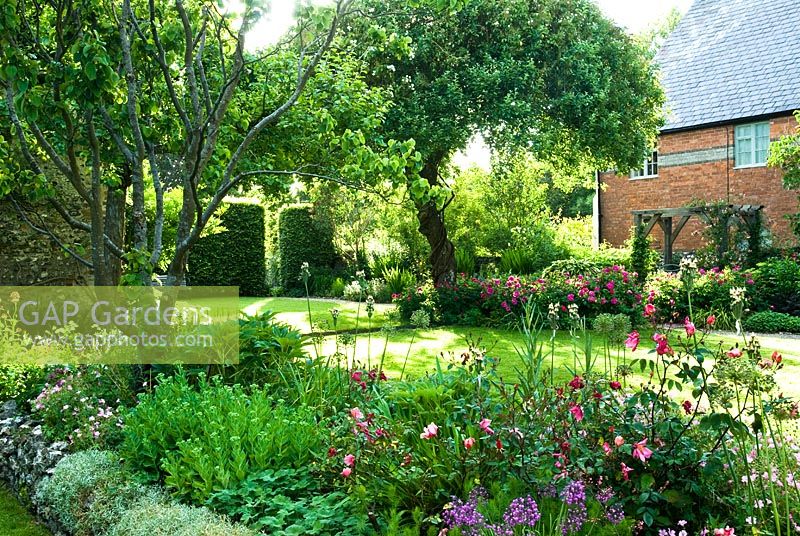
26,457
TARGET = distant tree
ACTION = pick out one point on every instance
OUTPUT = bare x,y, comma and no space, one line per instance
785,154
552,76
653,37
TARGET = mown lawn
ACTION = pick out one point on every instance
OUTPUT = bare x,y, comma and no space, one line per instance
15,520
448,343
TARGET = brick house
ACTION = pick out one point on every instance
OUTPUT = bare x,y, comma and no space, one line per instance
731,74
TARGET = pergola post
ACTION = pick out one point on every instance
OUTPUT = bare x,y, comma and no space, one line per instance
665,222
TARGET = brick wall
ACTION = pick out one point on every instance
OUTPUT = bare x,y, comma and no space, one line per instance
697,164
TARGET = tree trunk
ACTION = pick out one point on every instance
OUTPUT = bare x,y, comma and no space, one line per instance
115,229
431,225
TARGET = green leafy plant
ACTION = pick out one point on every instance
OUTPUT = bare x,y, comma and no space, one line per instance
398,280
289,502
204,439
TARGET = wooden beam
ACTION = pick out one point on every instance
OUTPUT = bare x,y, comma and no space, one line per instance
666,226
678,228
651,223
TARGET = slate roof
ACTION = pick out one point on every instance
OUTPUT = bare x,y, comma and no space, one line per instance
728,60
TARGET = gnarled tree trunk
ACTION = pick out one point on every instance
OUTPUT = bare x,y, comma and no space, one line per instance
431,225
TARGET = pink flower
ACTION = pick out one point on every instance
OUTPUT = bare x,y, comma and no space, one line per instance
606,448
615,385
711,320
649,309
484,425
356,414
346,472
356,376
727,531
571,297
349,460
662,344
577,412
633,340
625,471
618,441
735,352
641,452
469,443
689,326
429,431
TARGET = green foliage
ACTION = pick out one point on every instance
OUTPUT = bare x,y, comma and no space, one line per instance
785,153
233,256
289,502
643,257
19,381
777,286
518,261
148,518
772,322
398,280
465,262
572,266
264,345
203,440
302,239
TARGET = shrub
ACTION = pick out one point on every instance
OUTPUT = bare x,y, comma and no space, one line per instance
289,501
772,322
558,268
353,291
264,344
337,288
777,286
67,492
234,256
202,440
379,290
19,381
149,519
517,261
302,238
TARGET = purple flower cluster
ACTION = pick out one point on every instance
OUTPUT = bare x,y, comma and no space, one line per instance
574,493
604,495
464,515
615,514
522,511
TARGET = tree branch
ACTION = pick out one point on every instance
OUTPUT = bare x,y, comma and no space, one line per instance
47,232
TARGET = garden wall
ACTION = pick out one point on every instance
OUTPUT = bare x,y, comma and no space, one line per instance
697,164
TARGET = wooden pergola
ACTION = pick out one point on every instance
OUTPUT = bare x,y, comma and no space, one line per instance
673,220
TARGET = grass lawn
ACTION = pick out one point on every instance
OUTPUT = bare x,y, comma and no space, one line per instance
450,342
15,520
294,311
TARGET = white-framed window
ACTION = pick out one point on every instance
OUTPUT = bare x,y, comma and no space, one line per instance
752,144
649,167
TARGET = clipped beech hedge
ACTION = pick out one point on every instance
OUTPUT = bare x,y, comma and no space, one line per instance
235,256
302,238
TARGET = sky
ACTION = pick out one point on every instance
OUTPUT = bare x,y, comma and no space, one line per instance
633,15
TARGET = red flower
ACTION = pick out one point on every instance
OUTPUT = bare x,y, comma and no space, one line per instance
331,452
687,407
777,358
356,376
649,309
711,320
735,352
577,412
576,383
662,344
498,444
615,385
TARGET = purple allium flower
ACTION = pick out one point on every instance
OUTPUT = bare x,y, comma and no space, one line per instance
549,491
574,493
604,495
522,511
576,517
464,515
615,514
